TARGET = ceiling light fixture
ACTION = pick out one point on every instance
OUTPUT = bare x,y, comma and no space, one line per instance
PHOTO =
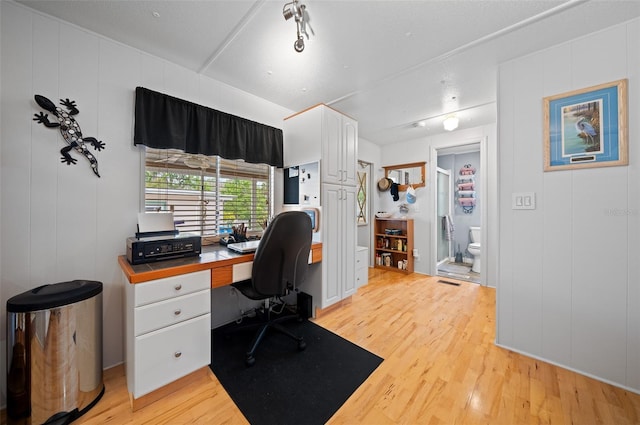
450,123
297,10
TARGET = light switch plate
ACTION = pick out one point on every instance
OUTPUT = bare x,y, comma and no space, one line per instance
523,201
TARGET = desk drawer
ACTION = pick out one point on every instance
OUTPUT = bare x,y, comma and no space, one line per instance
362,276
242,271
169,287
362,259
362,266
166,355
158,315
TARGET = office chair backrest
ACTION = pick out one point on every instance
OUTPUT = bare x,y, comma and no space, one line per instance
282,258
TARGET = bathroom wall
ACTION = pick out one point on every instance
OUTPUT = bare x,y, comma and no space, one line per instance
569,275
463,221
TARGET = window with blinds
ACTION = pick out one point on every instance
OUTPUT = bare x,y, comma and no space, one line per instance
208,195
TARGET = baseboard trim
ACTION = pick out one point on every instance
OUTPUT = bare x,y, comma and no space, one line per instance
322,311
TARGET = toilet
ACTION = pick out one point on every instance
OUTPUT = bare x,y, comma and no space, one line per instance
474,248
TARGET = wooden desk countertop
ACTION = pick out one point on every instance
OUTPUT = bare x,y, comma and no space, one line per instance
216,258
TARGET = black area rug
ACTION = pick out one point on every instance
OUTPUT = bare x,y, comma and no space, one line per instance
287,386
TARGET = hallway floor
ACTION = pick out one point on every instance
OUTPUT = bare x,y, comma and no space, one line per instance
460,271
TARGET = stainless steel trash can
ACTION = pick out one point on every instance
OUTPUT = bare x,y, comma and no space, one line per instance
54,352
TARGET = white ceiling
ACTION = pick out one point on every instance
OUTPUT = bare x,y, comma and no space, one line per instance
388,64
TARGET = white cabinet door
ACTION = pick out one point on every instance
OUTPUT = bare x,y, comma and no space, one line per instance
332,147
349,227
339,148
349,151
339,243
331,262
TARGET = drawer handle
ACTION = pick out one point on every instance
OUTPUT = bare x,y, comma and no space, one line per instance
178,287
177,354
177,312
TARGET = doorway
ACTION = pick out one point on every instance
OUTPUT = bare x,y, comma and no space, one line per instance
458,211
363,207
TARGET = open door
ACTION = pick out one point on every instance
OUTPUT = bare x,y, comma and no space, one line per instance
443,208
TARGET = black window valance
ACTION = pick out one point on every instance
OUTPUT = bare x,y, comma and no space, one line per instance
166,122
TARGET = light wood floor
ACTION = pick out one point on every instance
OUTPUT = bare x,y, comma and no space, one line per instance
441,367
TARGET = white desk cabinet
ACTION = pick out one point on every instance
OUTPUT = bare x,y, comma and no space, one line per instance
168,330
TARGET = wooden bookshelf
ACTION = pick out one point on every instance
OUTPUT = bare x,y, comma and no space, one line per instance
394,243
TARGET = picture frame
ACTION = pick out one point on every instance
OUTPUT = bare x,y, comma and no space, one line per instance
586,128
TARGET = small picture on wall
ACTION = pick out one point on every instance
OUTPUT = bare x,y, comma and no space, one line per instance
586,128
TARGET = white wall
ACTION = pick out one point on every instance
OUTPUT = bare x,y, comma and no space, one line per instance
569,275
60,222
423,210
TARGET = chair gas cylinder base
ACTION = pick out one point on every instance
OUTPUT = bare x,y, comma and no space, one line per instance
268,322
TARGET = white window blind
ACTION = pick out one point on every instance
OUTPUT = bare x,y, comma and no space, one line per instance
208,195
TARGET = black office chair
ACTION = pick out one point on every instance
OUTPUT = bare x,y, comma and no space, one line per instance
279,265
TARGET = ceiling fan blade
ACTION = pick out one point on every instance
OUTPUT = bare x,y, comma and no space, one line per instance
169,160
198,161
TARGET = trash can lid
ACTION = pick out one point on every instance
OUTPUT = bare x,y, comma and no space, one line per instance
53,295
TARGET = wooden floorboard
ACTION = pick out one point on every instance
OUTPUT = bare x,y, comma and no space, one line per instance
441,367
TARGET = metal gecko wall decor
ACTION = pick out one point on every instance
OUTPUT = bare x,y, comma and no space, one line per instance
70,130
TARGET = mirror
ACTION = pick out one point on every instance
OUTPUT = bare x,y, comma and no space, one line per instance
406,174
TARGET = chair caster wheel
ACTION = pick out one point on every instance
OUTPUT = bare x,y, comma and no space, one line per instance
301,345
250,361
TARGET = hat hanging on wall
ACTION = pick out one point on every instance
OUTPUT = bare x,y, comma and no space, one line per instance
384,184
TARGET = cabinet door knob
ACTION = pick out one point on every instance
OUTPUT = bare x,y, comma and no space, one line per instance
178,287
177,312
177,354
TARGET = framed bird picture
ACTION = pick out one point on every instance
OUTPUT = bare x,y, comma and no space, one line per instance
586,128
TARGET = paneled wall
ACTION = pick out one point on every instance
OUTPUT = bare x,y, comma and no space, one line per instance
60,222
569,275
